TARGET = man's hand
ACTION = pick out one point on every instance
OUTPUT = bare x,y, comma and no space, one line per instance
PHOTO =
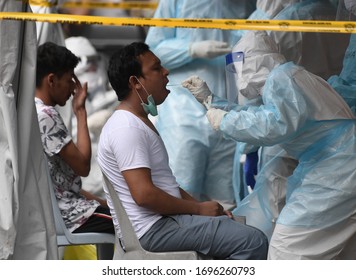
210,208
79,96
229,214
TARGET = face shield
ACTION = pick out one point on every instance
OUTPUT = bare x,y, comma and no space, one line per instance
233,68
256,54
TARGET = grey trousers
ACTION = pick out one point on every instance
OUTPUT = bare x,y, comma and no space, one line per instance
218,237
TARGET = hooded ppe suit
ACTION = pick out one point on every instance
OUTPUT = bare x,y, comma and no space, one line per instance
320,53
264,10
313,124
201,159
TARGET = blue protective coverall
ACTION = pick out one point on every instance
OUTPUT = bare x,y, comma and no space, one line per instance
319,53
314,125
201,159
253,162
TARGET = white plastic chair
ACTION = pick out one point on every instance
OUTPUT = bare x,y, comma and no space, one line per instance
133,249
103,241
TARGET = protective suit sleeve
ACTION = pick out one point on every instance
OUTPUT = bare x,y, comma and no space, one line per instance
346,90
173,51
223,104
284,112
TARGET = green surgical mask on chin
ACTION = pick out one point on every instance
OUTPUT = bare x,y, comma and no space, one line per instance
151,107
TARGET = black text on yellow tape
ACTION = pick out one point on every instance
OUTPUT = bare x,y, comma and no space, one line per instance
227,24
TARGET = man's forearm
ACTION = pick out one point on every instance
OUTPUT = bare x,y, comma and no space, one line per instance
83,137
186,195
166,204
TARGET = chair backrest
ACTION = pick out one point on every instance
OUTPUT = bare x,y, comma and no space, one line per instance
64,236
133,248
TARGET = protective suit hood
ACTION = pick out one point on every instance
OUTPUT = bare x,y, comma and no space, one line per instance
272,8
90,68
260,57
82,48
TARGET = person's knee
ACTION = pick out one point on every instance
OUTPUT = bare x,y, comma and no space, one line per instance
259,245
254,246
250,244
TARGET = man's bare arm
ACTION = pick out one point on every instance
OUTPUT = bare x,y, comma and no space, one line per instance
147,195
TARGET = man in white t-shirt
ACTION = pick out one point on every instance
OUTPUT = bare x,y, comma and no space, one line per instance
132,155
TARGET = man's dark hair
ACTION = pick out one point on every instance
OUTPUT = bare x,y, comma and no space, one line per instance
123,64
52,58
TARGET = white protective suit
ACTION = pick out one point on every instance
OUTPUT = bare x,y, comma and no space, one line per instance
264,10
312,123
321,54
201,159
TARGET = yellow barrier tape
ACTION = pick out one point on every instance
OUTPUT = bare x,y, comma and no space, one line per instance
232,24
127,5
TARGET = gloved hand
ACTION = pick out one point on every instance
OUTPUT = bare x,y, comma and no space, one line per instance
215,117
250,169
199,89
208,49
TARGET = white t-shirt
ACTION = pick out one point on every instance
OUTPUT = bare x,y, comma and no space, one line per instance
126,143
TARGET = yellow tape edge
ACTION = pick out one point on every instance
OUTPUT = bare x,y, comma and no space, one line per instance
95,5
226,24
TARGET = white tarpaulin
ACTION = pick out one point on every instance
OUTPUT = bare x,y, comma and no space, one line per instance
26,219
52,32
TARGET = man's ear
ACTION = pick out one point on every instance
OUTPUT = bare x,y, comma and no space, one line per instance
51,79
134,82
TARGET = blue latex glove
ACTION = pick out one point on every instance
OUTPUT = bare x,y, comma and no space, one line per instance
250,169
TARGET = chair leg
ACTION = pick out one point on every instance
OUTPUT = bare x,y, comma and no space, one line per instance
105,251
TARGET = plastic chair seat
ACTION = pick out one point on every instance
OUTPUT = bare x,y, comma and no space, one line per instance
133,249
66,238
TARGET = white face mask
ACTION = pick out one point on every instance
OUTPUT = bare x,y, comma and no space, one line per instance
350,5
